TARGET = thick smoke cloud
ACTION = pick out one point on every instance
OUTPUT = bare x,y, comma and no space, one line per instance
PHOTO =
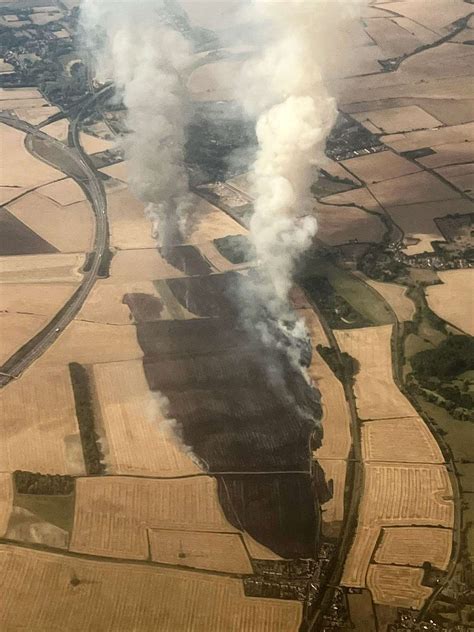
146,59
284,87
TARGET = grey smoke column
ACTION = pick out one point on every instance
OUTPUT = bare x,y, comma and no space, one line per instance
284,87
146,60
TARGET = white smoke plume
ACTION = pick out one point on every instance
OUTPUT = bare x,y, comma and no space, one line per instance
146,59
285,87
159,409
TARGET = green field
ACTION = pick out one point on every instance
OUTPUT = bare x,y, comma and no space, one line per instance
366,301
57,510
458,435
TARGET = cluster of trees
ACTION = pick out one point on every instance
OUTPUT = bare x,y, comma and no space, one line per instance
215,132
436,376
344,369
379,263
85,416
45,484
57,85
336,310
235,248
347,136
104,267
453,356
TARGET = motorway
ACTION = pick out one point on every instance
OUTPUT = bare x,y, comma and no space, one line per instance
94,190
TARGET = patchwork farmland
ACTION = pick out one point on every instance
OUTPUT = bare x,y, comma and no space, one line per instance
213,603
238,487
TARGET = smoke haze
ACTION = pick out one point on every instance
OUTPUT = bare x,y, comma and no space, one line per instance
146,59
284,88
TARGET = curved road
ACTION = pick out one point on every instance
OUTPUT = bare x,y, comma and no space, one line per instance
93,188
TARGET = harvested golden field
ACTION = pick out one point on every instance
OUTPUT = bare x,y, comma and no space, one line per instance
25,308
217,261
336,416
361,197
449,154
69,229
58,129
5,67
88,343
228,195
436,16
450,111
215,81
92,144
300,303
18,93
399,440
6,501
339,170
456,60
359,556
464,182
418,221
113,513
399,119
383,165
208,15
38,425
408,493
122,597
397,495
55,268
342,224
21,169
396,297
413,546
9,193
431,138
394,40
453,300
224,552
377,395
171,307
35,115
141,265
63,192
312,322
16,330
129,228
335,470
118,171
405,85
26,526
258,551
19,104
243,183
397,586
138,438
105,303
336,420
414,188
209,222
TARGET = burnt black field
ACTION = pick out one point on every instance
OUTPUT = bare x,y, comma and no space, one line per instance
244,409
187,259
